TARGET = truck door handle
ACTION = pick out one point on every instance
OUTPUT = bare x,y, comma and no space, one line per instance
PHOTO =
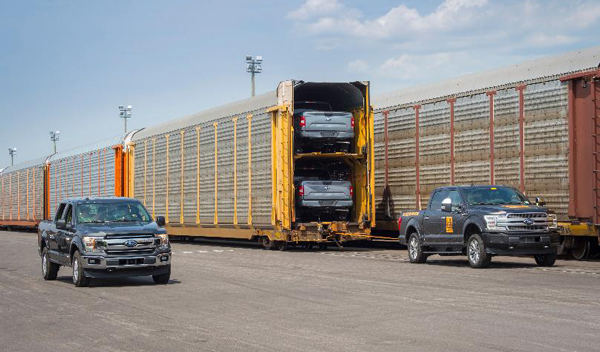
426,218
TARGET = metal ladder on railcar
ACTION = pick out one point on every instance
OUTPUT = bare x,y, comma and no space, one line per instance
595,87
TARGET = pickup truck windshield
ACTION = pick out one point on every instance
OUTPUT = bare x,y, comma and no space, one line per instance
301,106
111,212
494,196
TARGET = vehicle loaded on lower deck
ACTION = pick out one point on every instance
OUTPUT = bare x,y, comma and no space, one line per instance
324,191
481,222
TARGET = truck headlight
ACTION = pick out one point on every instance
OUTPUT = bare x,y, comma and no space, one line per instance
164,240
491,223
552,221
93,244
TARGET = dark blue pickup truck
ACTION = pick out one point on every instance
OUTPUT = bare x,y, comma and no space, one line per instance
104,238
480,222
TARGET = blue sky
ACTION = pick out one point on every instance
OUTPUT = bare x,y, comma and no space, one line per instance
67,65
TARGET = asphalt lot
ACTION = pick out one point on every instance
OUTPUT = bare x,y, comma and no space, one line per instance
237,297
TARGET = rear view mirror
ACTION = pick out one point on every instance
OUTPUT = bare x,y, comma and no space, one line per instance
61,224
160,221
447,205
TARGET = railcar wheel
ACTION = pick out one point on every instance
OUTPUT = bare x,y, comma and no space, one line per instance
267,243
307,245
581,248
282,245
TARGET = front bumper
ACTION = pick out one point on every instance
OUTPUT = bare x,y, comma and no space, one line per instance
502,243
105,266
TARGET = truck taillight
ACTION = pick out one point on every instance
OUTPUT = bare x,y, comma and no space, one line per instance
302,121
352,121
351,191
399,222
301,191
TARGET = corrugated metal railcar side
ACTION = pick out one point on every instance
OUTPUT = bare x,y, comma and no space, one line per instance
22,194
209,174
94,170
508,126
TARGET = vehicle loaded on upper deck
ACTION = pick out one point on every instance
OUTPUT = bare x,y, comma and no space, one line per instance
319,129
481,222
104,238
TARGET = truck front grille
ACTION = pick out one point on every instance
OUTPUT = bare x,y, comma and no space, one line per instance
535,222
133,251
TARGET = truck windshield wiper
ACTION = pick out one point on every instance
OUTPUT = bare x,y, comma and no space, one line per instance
94,222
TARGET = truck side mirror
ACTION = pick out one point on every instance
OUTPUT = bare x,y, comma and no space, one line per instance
160,221
447,205
61,224
539,201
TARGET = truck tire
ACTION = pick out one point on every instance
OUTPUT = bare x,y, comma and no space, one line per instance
163,278
79,278
476,253
545,259
49,269
415,251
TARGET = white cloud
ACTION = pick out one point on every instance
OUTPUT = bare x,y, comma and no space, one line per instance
407,44
358,66
312,8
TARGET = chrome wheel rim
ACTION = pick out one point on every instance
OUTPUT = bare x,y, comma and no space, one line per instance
44,264
474,251
75,270
414,247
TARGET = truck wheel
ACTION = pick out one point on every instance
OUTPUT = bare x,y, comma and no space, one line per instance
415,252
545,259
476,253
79,278
162,278
49,269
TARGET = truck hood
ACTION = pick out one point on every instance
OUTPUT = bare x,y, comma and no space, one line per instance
120,229
513,209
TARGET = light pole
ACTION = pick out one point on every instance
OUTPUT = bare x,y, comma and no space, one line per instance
125,113
253,66
54,137
12,152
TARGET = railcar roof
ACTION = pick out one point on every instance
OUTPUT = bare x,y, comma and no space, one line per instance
542,69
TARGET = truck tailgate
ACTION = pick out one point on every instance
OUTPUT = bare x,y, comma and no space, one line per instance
328,123
327,192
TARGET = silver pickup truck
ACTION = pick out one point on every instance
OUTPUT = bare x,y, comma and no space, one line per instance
319,129
318,198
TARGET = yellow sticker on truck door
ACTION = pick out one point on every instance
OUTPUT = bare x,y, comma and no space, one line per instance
449,228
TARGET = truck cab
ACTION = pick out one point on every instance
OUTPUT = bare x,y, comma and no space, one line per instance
104,238
481,222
